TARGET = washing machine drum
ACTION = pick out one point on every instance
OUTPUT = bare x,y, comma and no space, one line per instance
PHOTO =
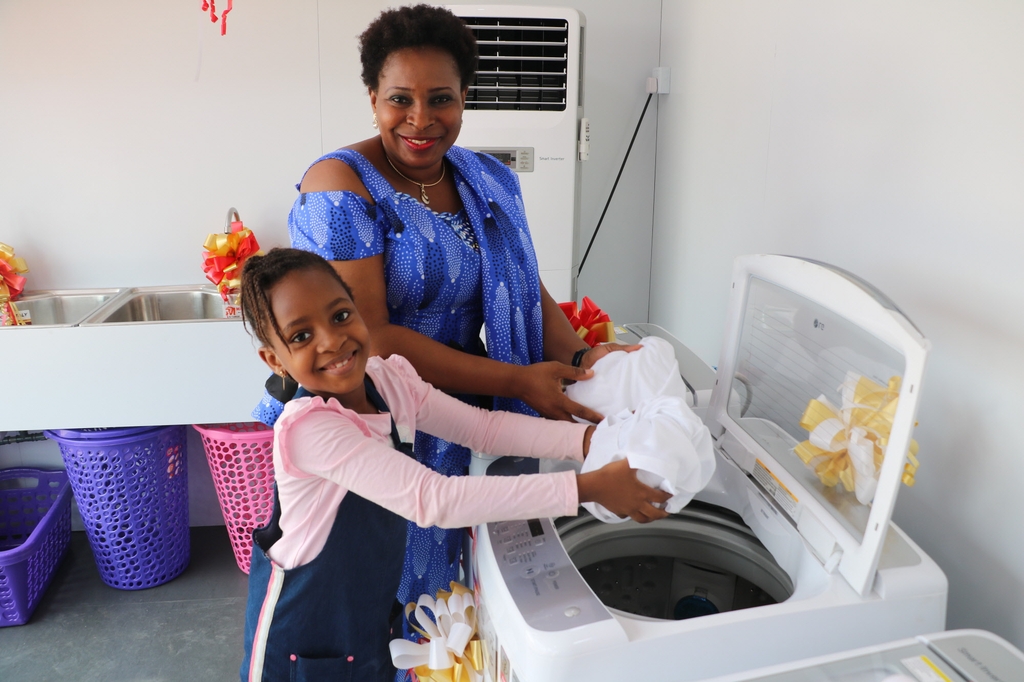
701,561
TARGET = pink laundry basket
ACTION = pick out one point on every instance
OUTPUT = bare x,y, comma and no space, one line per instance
241,458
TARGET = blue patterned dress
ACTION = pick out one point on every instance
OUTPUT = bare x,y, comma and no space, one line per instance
446,275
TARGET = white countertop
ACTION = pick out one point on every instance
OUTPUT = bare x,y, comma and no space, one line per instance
144,374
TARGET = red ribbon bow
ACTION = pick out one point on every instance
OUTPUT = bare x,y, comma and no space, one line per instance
11,267
590,322
11,285
225,254
11,280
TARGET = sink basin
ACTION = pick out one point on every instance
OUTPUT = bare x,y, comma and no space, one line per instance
162,304
62,308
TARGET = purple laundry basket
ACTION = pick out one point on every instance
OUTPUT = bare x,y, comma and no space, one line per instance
131,486
35,530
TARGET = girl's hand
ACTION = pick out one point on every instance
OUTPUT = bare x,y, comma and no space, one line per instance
587,435
540,386
598,352
616,488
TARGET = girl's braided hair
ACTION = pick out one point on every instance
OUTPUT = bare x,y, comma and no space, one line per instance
416,26
261,273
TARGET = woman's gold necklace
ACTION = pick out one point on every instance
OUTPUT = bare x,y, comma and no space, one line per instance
423,185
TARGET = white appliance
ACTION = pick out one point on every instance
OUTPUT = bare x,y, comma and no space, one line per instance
784,567
525,108
953,656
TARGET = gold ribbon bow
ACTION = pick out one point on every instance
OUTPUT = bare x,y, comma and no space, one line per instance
225,254
847,445
11,284
452,651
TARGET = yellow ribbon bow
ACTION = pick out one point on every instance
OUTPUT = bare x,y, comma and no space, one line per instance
453,651
847,445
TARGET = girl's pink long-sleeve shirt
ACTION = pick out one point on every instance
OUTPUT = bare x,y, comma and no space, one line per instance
322,450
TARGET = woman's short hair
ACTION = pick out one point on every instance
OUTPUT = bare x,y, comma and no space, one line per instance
416,26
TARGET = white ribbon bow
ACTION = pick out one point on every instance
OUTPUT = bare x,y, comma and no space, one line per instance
455,625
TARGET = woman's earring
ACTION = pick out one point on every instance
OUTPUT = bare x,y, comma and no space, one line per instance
284,376
374,124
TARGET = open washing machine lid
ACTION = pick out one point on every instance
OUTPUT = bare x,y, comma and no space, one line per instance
800,331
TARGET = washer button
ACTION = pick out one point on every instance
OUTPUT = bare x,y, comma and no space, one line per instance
572,612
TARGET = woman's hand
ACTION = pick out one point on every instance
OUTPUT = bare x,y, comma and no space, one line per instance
540,386
616,487
598,352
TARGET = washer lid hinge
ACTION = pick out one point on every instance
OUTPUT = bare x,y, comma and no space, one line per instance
822,543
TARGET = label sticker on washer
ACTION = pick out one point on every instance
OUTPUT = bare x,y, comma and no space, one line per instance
774,487
924,670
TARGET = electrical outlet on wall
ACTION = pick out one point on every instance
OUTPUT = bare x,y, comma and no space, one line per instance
663,76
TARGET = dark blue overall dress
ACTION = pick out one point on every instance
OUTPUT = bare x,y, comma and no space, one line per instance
328,619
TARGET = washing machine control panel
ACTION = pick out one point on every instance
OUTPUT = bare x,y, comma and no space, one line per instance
549,592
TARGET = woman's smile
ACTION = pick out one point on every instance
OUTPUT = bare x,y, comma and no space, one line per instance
419,144
418,104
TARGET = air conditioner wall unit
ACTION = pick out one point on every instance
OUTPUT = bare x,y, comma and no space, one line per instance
524,107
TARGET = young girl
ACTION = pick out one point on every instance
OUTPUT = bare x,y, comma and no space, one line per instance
326,568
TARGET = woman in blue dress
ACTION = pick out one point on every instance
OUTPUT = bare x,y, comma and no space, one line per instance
434,242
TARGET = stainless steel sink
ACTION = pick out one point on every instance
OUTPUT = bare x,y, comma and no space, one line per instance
62,308
161,304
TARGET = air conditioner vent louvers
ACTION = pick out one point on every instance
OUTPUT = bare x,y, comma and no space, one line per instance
522,64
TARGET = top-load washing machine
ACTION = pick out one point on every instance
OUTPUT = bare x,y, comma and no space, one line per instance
775,560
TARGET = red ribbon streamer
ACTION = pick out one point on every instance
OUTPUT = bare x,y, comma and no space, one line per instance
210,5
224,18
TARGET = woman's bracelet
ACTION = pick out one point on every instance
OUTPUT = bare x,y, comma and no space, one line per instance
577,357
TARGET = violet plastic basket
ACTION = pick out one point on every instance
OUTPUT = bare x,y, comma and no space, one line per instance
131,486
35,530
241,458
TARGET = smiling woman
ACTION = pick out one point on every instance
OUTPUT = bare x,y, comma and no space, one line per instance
433,240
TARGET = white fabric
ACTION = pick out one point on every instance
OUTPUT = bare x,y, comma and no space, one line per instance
647,421
622,381
664,441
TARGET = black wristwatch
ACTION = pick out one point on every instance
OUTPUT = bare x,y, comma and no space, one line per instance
577,357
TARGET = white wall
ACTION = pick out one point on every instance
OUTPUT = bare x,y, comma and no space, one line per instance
885,137
128,128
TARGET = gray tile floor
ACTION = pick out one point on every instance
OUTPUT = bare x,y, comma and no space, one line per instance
187,629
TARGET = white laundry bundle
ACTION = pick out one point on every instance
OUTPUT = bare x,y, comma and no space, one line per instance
664,441
622,381
648,422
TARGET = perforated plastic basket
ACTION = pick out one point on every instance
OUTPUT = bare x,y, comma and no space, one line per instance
35,529
241,459
131,486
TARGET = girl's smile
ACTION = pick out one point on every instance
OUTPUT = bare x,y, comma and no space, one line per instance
324,342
